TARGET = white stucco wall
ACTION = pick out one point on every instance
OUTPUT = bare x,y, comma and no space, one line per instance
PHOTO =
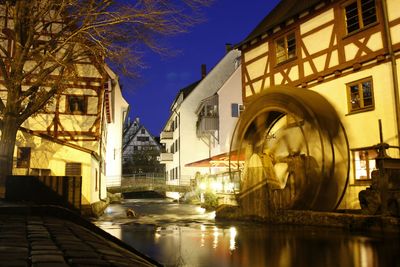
113,156
230,92
191,147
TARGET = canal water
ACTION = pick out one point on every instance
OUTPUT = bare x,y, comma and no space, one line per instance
186,235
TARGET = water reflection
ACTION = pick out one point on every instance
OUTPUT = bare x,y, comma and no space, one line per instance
180,236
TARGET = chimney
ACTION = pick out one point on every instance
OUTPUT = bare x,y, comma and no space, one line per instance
228,47
203,71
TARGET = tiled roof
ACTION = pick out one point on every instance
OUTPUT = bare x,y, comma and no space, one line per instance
284,10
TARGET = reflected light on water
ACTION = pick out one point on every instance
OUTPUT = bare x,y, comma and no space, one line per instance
157,234
232,239
202,235
216,234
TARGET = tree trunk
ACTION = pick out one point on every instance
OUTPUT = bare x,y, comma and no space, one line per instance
7,144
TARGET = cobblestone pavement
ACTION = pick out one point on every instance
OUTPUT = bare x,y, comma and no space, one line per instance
49,241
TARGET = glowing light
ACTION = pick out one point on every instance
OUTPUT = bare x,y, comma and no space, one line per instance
200,210
203,186
232,239
216,186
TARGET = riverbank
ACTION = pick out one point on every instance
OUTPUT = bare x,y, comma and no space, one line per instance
46,235
349,221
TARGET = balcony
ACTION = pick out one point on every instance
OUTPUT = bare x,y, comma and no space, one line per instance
166,157
206,125
166,135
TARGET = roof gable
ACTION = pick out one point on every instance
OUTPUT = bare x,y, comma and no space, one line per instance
283,11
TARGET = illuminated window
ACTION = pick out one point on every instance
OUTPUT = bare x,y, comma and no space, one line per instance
360,14
360,95
364,163
285,47
76,104
23,157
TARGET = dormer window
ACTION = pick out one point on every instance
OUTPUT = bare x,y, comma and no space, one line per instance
360,14
285,48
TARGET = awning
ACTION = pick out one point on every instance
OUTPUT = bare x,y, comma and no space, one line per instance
221,160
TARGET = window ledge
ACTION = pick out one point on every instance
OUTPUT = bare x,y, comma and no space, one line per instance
286,61
360,30
365,182
360,110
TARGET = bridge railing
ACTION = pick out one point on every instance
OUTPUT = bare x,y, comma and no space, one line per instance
150,181
142,181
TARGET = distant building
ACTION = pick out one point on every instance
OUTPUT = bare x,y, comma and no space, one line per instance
140,151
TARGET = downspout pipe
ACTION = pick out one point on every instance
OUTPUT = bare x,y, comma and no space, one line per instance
179,143
395,77
101,146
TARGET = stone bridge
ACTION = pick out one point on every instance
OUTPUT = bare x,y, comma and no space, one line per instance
137,183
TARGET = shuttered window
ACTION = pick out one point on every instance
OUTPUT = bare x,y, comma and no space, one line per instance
285,48
73,169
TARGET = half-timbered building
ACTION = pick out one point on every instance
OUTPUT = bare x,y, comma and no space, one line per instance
346,50
69,136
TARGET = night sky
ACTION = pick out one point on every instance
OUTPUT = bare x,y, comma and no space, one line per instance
226,21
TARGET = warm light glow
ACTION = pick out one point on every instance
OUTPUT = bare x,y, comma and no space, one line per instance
203,186
216,186
200,210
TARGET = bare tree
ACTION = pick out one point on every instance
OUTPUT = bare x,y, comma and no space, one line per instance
42,40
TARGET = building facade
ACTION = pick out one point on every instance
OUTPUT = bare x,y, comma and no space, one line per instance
118,110
187,141
68,136
217,116
347,51
140,151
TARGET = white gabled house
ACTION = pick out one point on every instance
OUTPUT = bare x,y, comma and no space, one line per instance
117,111
184,145
217,116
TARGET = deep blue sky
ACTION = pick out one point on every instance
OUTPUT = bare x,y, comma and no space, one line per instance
226,21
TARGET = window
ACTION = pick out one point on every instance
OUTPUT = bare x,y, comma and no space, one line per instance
23,157
360,95
142,131
76,104
360,14
364,163
285,47
142,138
236,109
